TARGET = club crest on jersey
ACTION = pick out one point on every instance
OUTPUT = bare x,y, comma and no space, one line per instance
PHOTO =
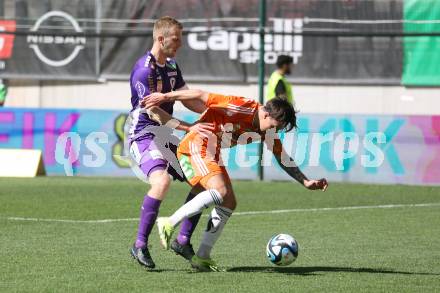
171,65
230,113
172,83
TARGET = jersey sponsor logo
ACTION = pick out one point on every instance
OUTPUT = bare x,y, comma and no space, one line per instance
172,73
37,42
140,89
186,166
244,46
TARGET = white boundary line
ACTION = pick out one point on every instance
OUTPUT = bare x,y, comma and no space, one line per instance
388,206
71,221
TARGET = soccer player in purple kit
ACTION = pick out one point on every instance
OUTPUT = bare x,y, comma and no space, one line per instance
157,72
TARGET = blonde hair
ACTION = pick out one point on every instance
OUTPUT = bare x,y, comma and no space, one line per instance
163,24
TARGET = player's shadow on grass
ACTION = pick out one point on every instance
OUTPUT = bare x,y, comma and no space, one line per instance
306,271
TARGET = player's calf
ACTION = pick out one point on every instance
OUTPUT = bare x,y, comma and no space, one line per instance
195,206
216,222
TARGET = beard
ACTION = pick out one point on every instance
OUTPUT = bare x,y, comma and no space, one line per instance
170,53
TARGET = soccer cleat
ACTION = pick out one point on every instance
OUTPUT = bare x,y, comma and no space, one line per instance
142,255
166,231
185,251
204,264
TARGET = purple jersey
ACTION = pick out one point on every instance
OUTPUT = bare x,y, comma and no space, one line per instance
147,76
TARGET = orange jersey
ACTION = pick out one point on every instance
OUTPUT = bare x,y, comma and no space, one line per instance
232,117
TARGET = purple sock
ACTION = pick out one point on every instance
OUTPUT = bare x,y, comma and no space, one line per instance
149,211
188,225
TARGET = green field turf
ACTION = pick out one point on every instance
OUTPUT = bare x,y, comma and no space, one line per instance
374,249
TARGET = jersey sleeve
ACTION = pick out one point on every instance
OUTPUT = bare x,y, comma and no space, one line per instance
144,81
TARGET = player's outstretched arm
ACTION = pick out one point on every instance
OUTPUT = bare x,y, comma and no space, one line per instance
295,172
196,106
164,118
299,176
155,99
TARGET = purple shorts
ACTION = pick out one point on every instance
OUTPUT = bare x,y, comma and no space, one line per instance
150,158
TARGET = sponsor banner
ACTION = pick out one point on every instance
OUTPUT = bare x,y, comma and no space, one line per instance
356,148
229,51
6,41
45,53
421,54
223,49
41,129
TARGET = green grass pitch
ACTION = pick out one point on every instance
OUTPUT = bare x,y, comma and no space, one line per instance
373,249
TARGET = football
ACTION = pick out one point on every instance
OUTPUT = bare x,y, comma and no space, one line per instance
282,250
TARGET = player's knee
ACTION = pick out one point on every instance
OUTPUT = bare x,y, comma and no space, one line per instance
228,196
218,183
229,200
164,182
216,197
160,183
221,190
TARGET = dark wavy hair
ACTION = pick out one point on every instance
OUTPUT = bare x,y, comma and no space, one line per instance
281,110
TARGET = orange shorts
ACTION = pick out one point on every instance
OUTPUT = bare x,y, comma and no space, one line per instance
198,169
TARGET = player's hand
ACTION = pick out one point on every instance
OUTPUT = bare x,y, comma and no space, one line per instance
153,99
203,129
321,184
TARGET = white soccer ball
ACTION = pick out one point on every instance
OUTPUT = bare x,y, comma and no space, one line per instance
282,250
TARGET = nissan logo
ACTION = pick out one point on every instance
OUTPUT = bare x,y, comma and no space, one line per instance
77,42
